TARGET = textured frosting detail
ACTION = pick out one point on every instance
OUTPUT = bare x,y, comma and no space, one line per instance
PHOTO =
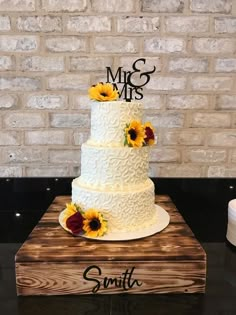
113,167
125,211
108,120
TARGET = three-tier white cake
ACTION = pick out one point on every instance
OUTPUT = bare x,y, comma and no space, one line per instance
114,178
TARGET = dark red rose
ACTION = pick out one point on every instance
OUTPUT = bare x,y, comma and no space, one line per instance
75,223
149,139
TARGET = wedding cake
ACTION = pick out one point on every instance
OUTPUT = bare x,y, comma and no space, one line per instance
113,192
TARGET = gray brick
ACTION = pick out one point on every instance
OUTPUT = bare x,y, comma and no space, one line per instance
205,156
65,44
184,137
7,63
81,101
47,101
221,171
80,137
214,45
225,65
212,83
40,63
164,45
165,6
11,171
111,44
99,76
224,138
225,25
39,23
234,120
19,84
17,5
66,6
187,102
226,102
24,120
90,63
188,65
152,101
18,43
211,120
69,120
10,138
75,171
164,155
154,170
181,170
209,6
130,24
64,156
113,6
86,24
23,155
167,120
47,171
187,24
233,157
5,23
162,83
8,101
69,82
45,137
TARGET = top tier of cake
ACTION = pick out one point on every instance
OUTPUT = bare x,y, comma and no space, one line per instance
108,120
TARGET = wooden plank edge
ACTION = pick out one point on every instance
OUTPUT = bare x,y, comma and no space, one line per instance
110,278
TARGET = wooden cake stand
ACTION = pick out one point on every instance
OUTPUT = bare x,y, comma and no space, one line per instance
53,262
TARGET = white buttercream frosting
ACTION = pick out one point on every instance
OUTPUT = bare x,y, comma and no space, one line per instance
108,120
114,178
113,167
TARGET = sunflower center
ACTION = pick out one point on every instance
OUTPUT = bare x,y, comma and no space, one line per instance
133,134
104,94
95,224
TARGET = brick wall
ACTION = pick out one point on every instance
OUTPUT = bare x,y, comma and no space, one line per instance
51,51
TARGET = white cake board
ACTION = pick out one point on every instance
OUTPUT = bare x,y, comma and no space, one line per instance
162,220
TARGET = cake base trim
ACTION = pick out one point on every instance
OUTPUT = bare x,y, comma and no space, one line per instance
161,222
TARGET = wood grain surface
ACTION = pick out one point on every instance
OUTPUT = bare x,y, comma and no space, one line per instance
53,262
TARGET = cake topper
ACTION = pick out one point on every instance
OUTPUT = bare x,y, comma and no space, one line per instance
132,81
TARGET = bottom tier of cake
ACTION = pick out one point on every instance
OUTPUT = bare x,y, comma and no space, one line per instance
125,210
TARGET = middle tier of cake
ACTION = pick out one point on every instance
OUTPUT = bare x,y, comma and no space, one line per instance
113,167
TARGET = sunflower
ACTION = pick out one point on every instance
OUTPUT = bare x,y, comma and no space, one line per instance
134,134
94,224
149,138
103,92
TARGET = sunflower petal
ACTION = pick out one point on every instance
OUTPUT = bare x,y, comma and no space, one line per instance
134,134
103,92
91,230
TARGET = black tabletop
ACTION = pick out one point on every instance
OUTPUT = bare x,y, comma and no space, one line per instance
203,204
